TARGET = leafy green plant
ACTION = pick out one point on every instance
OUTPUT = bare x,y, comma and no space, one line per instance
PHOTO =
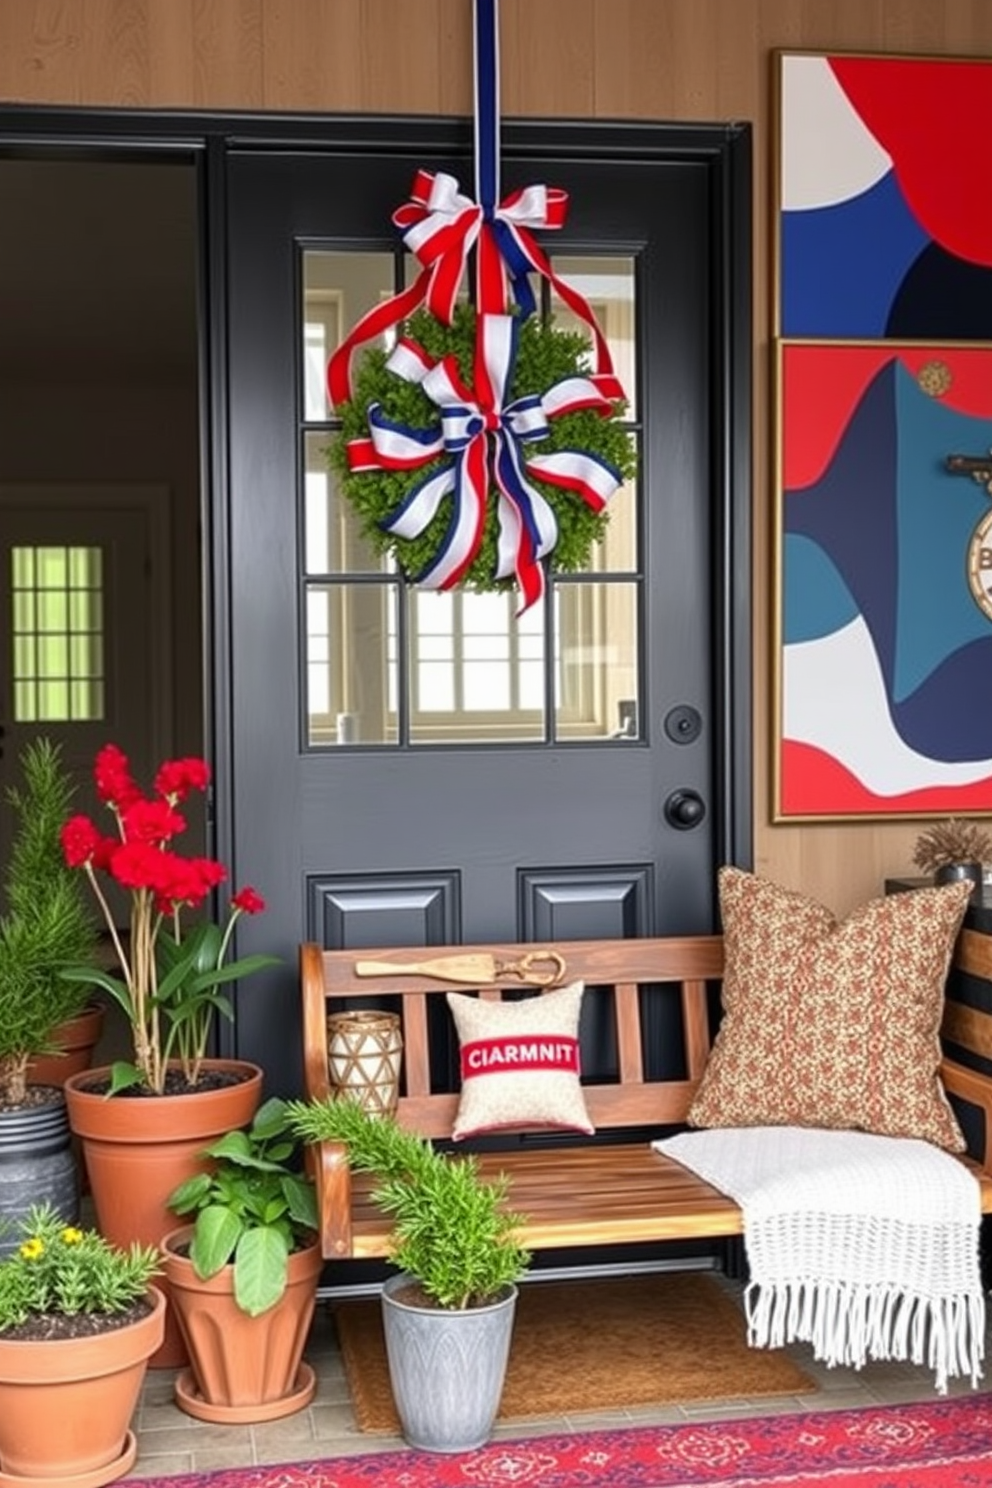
59,1270
452,1231
46,924
168,987
546,354
256,1207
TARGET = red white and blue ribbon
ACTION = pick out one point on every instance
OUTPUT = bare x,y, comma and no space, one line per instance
441,225
483,438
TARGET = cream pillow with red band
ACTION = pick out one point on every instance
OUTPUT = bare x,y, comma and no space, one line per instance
519,1062
832,1023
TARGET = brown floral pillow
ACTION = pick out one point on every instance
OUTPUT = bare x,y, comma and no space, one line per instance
832,1023
519,1062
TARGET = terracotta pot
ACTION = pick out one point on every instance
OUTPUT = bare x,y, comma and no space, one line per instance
242,1368
66,1404
77,1038
137,1149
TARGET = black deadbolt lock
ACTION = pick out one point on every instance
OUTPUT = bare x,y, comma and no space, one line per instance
683,724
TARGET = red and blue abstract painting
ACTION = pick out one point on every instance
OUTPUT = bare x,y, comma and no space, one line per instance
885,198
884,296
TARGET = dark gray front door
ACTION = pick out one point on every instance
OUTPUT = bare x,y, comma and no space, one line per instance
396,768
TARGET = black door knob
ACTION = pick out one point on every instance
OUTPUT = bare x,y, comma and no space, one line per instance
684,809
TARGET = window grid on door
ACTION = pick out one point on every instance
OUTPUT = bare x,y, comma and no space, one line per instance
466,669
57,630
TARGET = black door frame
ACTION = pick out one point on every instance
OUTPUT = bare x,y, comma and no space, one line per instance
204,138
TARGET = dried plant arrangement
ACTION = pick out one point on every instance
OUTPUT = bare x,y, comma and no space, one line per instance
952,841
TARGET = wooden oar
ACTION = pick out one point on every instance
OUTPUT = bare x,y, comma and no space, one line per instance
477,968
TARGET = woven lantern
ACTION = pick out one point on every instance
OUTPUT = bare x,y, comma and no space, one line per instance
364,1052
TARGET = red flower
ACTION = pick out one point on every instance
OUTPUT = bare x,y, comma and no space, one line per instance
136,865
151,822
162,885
112,774
211,872
80,840
104,851
248,900
176,778
189,881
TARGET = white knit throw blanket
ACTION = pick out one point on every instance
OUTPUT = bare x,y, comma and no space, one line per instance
864,1246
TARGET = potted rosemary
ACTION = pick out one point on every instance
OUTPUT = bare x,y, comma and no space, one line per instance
453,1298
46,924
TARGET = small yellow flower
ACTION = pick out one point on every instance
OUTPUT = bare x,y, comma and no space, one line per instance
34,1249
72,1236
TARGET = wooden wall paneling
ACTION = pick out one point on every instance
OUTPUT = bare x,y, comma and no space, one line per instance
406,74
549,65
312,55
694,60
40,53
228,68
455,45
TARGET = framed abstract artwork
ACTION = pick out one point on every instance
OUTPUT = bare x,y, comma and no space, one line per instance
883,501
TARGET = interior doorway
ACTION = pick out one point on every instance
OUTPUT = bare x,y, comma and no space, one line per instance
100,460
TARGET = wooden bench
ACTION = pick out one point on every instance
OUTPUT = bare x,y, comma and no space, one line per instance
572,1191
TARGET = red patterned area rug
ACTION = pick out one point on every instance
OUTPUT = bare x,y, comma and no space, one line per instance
943,1444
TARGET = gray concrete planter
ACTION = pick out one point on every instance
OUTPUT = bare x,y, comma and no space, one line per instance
446,1368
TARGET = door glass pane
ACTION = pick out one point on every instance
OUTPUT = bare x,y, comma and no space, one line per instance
57,629
338,289
350,654
333,541
597,663
617,549
473,671
477,671
607,284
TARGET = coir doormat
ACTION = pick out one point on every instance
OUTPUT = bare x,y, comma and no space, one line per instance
595,1345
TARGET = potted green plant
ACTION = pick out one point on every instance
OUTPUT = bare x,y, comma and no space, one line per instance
448,1312
169,1099
953,849
79,1320
170,974
46,925
243,1276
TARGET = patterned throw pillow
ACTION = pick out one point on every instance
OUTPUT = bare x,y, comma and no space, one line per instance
832,1024
519,1062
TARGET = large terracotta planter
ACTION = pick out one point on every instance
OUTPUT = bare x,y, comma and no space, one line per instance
137,1149
76,1038
242,1368
66,1404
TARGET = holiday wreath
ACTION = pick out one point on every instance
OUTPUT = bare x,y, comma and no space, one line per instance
544,357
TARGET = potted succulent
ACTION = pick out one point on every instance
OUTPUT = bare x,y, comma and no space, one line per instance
79,1320
243,1276
448,1312
953,849
46,924
170,1099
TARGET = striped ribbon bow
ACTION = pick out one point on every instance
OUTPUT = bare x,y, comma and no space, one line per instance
483,438
441,225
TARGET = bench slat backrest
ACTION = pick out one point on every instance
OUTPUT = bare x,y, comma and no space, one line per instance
624,966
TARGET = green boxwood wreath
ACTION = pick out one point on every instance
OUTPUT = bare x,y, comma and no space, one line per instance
546,354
